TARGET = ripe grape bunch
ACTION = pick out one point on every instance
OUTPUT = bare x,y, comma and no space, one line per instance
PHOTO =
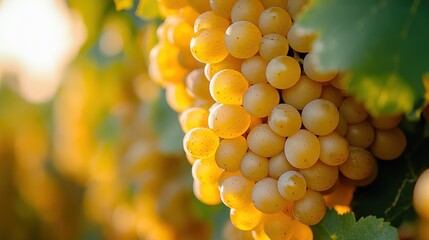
268,133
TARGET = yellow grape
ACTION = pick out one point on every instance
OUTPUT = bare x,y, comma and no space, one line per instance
273,45
206,171
200,6
260,99
229,121
207,193
275,3
292,185
421,195
230,153
164,58
302,149
333,95
200,142
300,40
388,144
363,182
361,134
210,20
303,92
229,62
189,14
225,175
173,4
279,165
264,142
236,191
342,126
254,121
266,196
294,7
197,84
228,87
353,111
320,177
192,118
310,209
186,60
245,218
342,195
283,72
242,39
254,167
258,233
312,69
180,33
274,20
222,8
178,98
334,149
254,69
338,83
359,165
247,10
385,122
301,231
208,46
284,120
278,226
320,116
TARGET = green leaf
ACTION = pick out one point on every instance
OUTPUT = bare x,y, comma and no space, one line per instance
148,9
345,227
382,45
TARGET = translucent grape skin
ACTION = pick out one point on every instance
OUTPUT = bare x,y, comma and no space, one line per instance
421,195
310,209
229,62
300,40
200,143
207,193
260,99
242,39
274,20
222,8
388,144
210,20
247,10
192,118
245,218
278,226
279,165
206,170
353,111
283,72
230,152
228,121
385,122
264,142
359,165
302,149
311,69
228,87
361,134
254,167
292,185
284,120
334,149
266,197
303,92
273,45
208,46
254,69
320,177
320,116
236,191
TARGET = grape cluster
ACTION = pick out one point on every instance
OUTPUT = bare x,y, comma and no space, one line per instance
268,133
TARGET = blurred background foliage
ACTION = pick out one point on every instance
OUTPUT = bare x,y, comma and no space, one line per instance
100,158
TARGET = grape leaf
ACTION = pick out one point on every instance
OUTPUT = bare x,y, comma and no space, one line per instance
381,45
345,227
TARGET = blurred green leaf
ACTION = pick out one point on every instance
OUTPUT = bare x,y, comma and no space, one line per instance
148,9
123,4
382,45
